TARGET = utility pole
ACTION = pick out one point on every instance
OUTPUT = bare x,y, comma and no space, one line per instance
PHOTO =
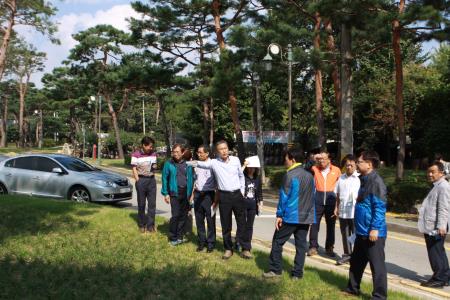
143,115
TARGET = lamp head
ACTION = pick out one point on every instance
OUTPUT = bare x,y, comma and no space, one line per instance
268,62
274,49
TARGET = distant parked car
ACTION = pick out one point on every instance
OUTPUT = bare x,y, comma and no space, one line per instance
61,176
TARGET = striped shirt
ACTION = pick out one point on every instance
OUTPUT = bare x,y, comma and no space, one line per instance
145,163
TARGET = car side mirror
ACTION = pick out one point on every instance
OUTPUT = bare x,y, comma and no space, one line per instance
57,171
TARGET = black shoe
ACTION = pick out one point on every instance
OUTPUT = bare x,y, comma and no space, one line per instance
210,249
434,284
343,260
200,248
351,292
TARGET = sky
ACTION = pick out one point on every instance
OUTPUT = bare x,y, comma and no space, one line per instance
77,15
74,16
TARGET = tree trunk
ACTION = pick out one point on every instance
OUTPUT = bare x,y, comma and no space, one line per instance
205,121
21,114
396,37
162,112
211,122
6,37
4,124
41,130
231,93
115,123
346,123
334,76
318,87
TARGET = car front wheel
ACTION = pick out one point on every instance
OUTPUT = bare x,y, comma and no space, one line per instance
79,194
3,190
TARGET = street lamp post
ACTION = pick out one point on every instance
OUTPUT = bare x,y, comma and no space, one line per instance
276,49
259,131
99,148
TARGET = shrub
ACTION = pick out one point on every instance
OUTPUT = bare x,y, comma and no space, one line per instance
127,159
275,175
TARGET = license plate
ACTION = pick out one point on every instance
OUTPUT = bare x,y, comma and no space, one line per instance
125,190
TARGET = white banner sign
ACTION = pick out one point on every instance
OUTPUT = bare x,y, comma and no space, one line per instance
269,137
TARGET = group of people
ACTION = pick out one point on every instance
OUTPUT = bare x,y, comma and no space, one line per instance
357,197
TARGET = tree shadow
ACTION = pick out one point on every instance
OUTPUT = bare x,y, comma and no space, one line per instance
29,216
405,273
39,279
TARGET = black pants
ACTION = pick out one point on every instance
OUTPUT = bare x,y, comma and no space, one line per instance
280,237
437,257
328,211
372,252
202,208
146,193
229,203
250,213
179,207
347,229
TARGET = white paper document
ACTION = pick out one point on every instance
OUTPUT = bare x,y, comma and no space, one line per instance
351,239
214,209
253,162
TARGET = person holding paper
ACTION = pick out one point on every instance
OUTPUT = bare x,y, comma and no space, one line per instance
370,228
295,214
143,163
231,187
253,198
203,198
433,223
346,193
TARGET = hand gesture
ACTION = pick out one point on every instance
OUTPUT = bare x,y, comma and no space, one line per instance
167,199
373,235
278,223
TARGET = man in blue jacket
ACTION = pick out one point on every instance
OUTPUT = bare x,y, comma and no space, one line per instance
295,214
177,183
370,228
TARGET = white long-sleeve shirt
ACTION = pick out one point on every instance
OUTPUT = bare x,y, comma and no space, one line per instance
228,174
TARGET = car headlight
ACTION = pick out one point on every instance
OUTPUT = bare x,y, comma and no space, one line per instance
104,183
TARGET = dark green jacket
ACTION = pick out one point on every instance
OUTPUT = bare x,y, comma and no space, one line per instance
169,179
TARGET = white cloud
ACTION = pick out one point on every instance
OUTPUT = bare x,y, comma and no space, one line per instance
89,1
73,23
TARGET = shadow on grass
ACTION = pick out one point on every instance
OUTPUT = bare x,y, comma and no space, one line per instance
28,216
37,279
190,232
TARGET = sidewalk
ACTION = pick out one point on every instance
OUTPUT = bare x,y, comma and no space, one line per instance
395,222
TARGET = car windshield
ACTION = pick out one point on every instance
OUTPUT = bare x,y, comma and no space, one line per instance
75,164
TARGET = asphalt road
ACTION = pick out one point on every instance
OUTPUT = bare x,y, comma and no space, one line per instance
406,255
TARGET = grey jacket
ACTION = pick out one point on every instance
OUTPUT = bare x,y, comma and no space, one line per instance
434,212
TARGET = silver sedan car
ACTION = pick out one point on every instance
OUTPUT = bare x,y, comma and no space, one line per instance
61,176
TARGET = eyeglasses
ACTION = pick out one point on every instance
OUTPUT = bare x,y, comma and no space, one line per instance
361,162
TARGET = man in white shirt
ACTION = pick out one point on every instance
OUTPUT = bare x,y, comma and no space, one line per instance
203,198
347,192
231,186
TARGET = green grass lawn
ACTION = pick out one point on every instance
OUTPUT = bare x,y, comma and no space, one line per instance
106,162
60,249
12,150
